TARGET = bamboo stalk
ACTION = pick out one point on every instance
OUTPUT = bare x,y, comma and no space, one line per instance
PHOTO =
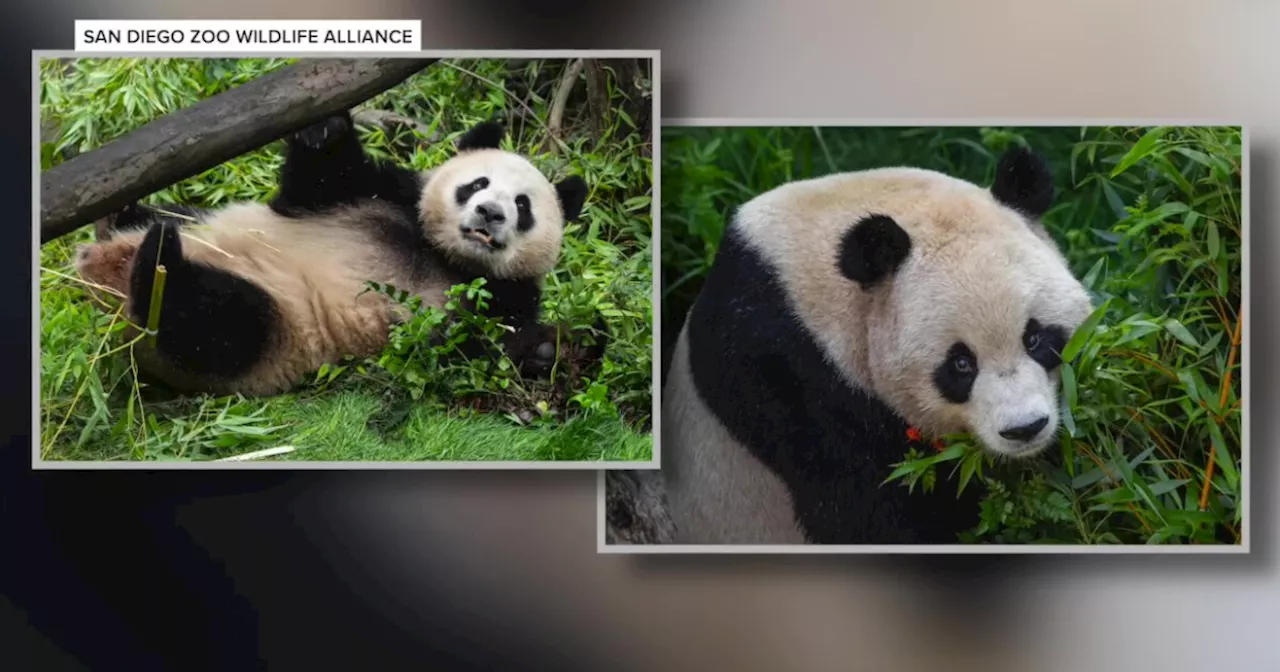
157,294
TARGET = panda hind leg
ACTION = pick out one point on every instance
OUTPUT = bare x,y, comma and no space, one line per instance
213,325
139,216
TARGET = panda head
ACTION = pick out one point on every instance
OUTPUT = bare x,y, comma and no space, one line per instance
495,210
947,300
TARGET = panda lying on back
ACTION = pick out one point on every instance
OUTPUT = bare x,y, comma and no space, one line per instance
259,295
842,311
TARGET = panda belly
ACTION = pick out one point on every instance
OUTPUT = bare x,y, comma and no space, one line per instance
253,302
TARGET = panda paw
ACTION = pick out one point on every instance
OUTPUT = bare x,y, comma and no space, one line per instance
324,133
535,348
127,217
137,216
538,364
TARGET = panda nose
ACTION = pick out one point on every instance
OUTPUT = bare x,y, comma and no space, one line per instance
491,212
1025,432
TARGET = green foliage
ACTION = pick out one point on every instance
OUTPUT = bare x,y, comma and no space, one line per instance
423,352
410,402
1149,218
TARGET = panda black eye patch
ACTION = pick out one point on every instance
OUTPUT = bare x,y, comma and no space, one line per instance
525,210
1044,344
466,191
955,376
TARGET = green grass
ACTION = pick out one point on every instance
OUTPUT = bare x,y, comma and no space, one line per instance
1149,219
403,404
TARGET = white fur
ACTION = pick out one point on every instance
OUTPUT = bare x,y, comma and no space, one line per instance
527,254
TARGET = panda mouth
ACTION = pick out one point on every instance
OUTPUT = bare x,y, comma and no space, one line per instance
482,238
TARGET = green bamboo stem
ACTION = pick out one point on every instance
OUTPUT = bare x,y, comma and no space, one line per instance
157,294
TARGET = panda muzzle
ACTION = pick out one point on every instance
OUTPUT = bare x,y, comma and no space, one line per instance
494,240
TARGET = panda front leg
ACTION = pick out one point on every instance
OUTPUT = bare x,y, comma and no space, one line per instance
322,167
214,327
536,347
325,166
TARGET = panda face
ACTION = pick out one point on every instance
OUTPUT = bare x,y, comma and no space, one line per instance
969,336
495,209
947,300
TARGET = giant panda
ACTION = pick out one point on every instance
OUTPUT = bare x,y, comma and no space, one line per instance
258,295
844,314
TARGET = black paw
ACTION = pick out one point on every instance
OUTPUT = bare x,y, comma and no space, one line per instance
539,362
105,229
324,133
533,349
137,216
132,216
537,349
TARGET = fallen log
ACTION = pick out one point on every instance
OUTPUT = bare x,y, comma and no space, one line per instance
192,140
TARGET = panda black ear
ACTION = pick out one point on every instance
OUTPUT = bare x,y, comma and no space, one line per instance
1024,182
484,135
572,192
873,249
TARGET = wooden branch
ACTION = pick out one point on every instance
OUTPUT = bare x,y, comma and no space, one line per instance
561,98
189,141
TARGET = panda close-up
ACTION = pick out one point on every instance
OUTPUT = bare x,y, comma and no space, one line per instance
259,295
845,314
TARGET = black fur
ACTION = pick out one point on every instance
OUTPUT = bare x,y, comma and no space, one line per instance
325,166
873,249
1048,351
765,377
211,323
953,384
484,135
464,193
572,192
138,216
524,220
1024,182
